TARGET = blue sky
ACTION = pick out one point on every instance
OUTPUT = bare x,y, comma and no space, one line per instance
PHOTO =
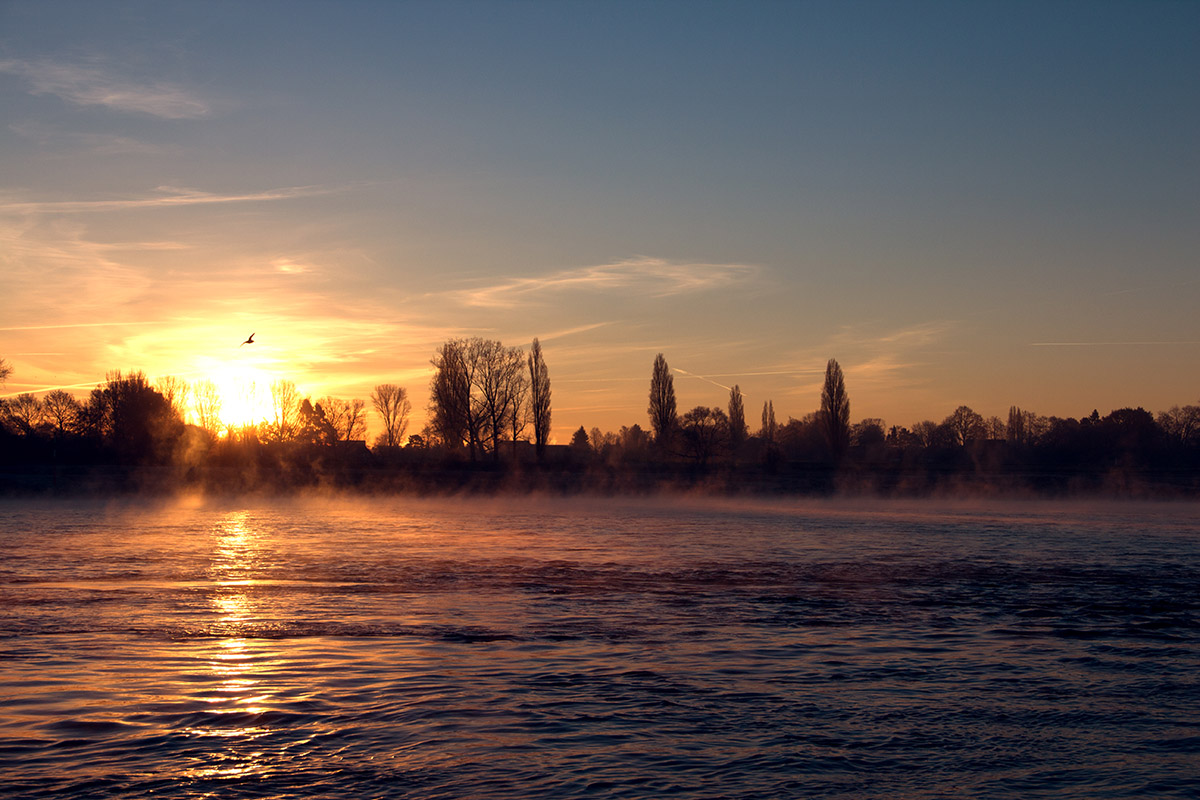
964,203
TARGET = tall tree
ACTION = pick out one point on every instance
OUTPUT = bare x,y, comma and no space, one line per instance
392,405
498,386
737,418
770,428
835,410
522,413
477,393
539,398
662,402
1017,430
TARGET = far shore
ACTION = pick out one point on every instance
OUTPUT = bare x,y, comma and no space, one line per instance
489,479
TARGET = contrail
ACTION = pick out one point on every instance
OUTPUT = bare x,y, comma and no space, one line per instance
76,325
180,197
797,372
701,377
91,385
569,331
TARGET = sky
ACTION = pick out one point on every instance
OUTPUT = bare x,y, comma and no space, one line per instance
984,204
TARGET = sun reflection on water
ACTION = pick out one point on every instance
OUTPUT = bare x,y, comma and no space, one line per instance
239,663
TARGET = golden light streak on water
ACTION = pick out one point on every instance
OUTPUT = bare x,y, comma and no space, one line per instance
238,664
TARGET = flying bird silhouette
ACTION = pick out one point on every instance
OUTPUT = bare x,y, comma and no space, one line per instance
248,341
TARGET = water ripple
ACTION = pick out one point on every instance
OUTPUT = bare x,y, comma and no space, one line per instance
395,649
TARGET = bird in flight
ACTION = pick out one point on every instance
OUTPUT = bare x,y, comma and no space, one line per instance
248,341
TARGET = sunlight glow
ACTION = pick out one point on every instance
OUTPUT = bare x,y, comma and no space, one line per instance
245,394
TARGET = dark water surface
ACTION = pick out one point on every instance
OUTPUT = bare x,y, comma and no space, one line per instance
599,648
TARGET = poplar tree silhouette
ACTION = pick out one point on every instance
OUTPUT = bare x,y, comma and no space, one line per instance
539,398
662,403
835,410
737,418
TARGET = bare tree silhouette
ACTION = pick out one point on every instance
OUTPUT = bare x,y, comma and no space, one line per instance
1181,424
499,385
703,431
24,414
285,409
176,390
62,411
347,418
206,402
392,405
965,425
477,394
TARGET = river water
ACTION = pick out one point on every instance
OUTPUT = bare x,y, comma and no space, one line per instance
562,648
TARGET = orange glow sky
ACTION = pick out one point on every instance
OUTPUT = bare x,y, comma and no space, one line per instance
981,204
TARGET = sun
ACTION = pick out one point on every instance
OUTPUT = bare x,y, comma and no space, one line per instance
245,396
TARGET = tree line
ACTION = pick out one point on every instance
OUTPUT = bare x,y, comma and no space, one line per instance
489,405
142,420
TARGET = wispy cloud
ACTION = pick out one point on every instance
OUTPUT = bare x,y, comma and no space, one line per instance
168,196
90,85
289,266
915,335
880,361
656,277
1112,344
53,139
553,335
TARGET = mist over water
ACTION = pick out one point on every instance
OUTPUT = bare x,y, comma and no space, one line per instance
599,648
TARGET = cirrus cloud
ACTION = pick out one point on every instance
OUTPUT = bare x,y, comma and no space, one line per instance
92,86
166,196
655,277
